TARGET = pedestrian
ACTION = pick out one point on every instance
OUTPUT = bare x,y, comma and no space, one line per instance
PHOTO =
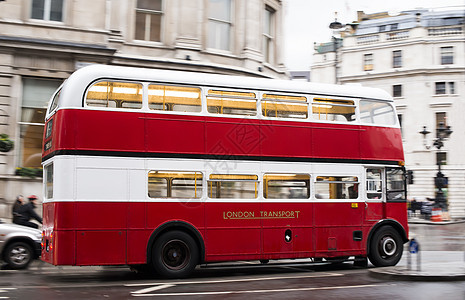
27,212
16,207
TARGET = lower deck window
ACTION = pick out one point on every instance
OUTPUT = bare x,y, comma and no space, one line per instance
233,186
175,184
336,187
48,181
374,183
395,184
286,186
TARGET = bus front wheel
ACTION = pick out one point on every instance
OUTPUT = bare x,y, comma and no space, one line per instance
175,254
386,247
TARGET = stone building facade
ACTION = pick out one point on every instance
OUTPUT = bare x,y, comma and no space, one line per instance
43,41
418,57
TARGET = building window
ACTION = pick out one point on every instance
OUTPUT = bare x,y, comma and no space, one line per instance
440,88
268,34
397,59
441,158
447,55
36,94
47,10
451,87
368,62
149,15
443,88
441,117
397,90
219,24
399,117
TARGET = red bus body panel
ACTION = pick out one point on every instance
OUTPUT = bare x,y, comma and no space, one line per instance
123,132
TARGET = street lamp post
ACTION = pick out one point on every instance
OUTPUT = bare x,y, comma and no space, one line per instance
442,133
335,26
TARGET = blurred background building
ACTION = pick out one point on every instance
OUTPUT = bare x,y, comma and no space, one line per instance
419,57
43,41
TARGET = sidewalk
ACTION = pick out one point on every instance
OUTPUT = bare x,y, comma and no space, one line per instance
418,220
434,266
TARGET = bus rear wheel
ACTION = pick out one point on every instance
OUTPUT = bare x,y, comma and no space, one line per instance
175,254
386,247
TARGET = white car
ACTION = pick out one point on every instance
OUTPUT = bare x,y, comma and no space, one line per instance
19,245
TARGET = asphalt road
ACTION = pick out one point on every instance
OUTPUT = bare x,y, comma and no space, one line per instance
293,279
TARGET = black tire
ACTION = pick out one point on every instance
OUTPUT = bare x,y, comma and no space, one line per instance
175,254
18,255
386,247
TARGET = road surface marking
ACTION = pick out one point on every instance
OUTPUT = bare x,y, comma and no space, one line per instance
263,291
154,288
238,280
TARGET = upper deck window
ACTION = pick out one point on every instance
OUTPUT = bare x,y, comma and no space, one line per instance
284,106
333,110
375,112
54,103
231,103
174,98
115,94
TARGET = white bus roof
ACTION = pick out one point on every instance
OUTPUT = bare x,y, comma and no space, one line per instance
76,85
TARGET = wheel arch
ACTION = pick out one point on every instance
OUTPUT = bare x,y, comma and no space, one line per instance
396,225
181,226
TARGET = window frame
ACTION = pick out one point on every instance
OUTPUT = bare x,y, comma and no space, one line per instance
47,11
354,105
269,34
109,107
198,187
280,100
447,55
397,58
440,88
349,199
200,90
212,20
218,189
229,96
266,187
368,64
148,24
397,91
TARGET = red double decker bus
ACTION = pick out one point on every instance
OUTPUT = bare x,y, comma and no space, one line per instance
172,169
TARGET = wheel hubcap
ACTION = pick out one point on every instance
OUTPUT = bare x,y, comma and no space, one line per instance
388,246
175,254
19,255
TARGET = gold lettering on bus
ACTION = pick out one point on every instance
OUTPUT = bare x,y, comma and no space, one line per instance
250,215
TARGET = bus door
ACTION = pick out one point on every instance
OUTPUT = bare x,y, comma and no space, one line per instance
233,222
396,194
338,215
287,215
374,208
